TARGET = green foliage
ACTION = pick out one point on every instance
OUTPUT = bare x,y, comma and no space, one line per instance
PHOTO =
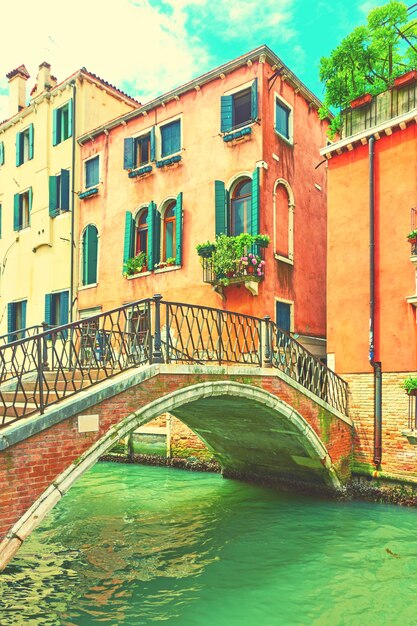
413,234
231,256
205,249
409,384
135,265
170,260
369,58
225,255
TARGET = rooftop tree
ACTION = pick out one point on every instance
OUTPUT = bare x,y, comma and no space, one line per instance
369,58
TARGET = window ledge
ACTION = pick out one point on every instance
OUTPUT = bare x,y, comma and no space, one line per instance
60,213
88,193
169,268
169,161
141,171
289,142
284,259
84,287
138,275
412,300
238,135
24,229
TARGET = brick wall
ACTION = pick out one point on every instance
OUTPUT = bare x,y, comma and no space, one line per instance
398,455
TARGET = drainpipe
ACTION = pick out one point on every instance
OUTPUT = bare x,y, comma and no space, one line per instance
376,365
74,141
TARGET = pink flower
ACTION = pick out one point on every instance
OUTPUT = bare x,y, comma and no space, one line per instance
254,262
244,258
250,255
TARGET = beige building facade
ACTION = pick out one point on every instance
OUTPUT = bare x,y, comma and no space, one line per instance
41,179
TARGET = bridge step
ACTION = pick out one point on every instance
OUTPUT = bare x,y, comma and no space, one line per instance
16,409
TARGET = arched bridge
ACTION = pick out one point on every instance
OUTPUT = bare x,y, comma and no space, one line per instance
261,402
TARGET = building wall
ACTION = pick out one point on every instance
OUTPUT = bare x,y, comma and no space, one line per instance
348,255
206,158
36,260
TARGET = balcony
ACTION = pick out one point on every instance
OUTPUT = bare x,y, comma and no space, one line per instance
244,273
399,100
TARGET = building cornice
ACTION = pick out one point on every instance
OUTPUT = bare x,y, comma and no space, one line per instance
260,54
386,128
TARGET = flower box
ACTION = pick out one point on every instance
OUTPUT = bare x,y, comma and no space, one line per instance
412,392
406,79
361,101
87,194
412,240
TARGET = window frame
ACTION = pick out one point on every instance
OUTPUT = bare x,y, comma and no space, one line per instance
58,176
168,204
284,104
24,225
137,139
159,127
59,125
248,209
85,162
233,92
142,209
291,209
278,300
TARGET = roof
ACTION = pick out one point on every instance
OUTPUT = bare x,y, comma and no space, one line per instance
19,71
196,83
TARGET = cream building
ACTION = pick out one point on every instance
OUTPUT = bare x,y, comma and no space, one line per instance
41,181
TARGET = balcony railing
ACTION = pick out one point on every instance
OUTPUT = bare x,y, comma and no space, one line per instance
249,270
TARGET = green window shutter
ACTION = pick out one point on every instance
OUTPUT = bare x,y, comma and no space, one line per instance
56,127
90,244
31,138
129,154
63,312
178,230
157,238
24,307
53,199
70,117
220,207
151,234
19,151
129,237
48,308
16,212
1,153
153,141
254,99
65,190
11,320
30,194
226,114
255,208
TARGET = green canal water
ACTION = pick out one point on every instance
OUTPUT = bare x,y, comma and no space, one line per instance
134,545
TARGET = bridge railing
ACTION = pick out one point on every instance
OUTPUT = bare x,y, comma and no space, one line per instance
38,371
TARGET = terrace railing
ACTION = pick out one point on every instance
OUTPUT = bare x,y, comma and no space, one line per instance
38,371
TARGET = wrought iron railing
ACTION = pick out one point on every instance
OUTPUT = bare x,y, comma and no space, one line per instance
240,271
38,371
22,333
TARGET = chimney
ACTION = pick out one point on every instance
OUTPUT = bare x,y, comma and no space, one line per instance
44,77
17,89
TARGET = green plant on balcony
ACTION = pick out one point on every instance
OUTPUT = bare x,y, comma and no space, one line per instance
262,240
410,385
135,265
205,250
412,237
225,256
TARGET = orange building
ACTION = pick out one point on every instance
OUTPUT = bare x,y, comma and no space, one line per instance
371,277
232,151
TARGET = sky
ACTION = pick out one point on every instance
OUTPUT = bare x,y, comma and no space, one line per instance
147,47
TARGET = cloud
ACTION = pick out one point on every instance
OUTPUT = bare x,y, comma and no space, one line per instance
134,45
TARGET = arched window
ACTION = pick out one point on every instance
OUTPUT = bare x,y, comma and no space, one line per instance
141,244
168,240
283,201
241,207
90,250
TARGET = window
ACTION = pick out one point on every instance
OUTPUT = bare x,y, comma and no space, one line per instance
16,319
169,229
239,108
141,244
241,208
56,309
92,172
22,209
283,202
1,153
171,138
59,193
283,316
90,252
62,123
24,145
283,119
143,150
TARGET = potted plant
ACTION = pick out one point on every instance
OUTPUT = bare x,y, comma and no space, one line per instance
206,249
135,265
361,101
412,237
170,261
224,256
410,385
262,240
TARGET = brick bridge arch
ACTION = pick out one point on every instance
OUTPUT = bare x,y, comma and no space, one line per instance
257,423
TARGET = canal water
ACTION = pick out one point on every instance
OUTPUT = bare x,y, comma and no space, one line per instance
135,545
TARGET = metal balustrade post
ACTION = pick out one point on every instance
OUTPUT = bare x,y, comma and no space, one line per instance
45,348
219,335
40,373
267,334
168,335
157,344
